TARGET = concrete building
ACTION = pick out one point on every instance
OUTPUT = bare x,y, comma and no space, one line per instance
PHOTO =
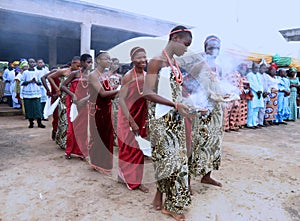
291,34
57,30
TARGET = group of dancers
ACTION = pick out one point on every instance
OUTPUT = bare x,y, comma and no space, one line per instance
160,104
183,115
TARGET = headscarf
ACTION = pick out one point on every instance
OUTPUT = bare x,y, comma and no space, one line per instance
262,62
293,70
15,63
273,65
23,63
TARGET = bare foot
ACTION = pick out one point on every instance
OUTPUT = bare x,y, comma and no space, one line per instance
157,202
82,158
105,172
143,188
147,158
178,217
208,180
120,180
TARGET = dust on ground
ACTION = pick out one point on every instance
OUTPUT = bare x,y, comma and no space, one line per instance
260,173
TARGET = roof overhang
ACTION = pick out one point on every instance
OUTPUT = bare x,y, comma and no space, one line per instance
291,34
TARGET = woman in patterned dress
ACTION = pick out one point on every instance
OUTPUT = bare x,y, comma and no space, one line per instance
166,126
272,104
245,95
232,109
207,133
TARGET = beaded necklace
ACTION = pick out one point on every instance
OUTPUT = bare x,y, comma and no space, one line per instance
136,80
106,83
179,78
81,81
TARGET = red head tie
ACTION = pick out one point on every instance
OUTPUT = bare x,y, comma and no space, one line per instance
212,39
135,50
179,30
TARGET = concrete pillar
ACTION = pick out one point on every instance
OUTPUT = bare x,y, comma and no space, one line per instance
85,40
52,51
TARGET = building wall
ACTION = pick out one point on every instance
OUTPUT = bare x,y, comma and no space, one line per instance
57,30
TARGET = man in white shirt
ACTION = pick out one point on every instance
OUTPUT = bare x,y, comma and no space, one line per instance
8,78
266,91
41,70
257,100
